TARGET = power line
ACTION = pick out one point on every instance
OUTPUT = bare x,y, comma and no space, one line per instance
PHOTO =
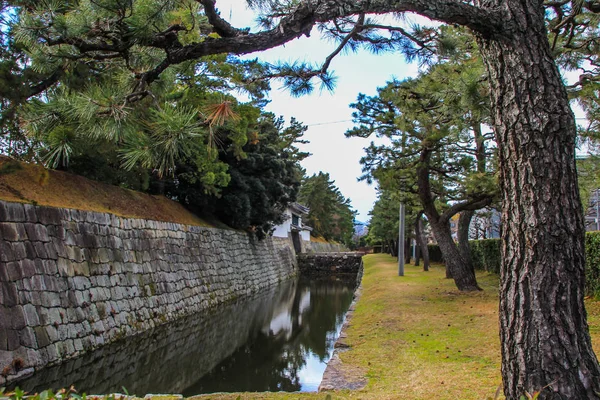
329,123
349,120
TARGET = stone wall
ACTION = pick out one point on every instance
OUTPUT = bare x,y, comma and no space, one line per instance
319,247
72,281
184,350
330,264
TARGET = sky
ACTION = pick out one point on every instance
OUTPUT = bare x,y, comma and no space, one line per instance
328,115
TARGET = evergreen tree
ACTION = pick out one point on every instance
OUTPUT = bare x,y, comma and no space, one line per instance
542,314
331,214
437,151
263,181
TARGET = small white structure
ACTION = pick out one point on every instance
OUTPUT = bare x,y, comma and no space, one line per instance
292,227
293,222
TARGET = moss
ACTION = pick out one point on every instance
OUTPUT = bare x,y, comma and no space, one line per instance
101,307
10,167
152,287
34,184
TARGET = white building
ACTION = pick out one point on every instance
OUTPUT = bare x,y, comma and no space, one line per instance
293,227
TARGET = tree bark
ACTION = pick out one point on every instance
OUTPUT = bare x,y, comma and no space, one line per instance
545,338
463,276
464,222
456,267
407,251
544,334
421,240
417,247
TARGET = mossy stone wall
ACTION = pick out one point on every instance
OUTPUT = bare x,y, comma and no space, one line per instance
71,280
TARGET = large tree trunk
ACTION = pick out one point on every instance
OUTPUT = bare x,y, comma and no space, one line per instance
463,276
421,241
544,334
464,222
417,249
393,248
456,267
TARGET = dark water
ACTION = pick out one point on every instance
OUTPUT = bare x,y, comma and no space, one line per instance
278,341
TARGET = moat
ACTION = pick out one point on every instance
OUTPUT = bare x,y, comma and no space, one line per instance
279,340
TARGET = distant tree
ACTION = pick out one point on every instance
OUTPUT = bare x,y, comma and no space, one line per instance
331,214
437,150
542,318
384,223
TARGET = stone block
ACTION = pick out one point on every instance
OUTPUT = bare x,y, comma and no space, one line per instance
78,344
53,354
35,359
59,247
40,250
50,251
30,213
50,267
37,283
63,332
88,240
13,340
64,267
48,215
31,315
17,318
75,253
50,299
37,232
27,338
12,231
104,255
51,283
9,294
58,232
81,282
81,269
13,270
3,339
18,250
28,267
6,253
12,212
52,333
30,250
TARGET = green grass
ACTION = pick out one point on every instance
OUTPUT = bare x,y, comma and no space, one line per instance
418,337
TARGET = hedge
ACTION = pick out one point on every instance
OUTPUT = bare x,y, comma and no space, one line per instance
592,263
486,254
486,257
435,254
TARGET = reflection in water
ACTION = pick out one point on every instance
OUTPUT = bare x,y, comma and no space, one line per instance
280,340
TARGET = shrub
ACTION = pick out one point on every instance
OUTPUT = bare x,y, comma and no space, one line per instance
435,254
486,254
592,264
486,257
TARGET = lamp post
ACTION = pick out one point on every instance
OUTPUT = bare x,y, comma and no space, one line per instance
401,241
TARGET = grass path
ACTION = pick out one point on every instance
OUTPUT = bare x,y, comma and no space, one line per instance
417,337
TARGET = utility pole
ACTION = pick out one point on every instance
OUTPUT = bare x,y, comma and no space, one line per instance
401,241
597,211
401,222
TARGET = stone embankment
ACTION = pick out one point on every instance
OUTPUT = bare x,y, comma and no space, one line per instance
320,247
319,264
71,281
